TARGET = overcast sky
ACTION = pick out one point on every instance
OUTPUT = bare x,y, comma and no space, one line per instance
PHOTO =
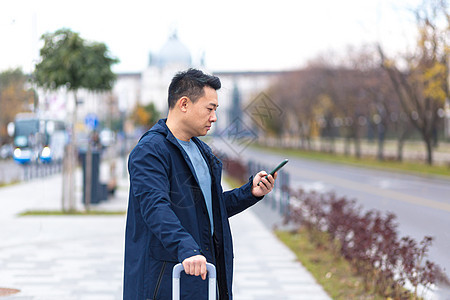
235,35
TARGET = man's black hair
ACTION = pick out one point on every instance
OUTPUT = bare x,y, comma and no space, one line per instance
190,83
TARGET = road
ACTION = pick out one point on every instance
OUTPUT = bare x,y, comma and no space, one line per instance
421,204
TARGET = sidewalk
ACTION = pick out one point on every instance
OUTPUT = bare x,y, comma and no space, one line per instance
265,268
81,257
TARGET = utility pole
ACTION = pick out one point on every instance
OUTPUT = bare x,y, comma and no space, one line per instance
447,102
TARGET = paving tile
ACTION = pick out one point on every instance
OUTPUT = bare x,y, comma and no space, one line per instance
81,258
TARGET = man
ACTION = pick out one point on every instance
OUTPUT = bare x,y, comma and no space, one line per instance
177,210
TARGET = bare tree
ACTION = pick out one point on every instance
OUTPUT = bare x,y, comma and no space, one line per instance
301,94
422,85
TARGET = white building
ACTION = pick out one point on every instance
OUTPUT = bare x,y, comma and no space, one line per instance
171,58
151,85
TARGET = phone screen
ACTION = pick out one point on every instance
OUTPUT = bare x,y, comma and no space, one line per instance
280,165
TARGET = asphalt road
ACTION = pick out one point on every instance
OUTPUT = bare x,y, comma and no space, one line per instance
421,204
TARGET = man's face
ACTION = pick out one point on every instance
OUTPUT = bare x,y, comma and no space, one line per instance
201,114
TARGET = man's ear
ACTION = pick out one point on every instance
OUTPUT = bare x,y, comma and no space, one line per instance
183,103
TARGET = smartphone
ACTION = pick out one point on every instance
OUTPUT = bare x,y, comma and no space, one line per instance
280,165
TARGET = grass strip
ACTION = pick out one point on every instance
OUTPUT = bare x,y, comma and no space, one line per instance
72,213
3,184
232,182
333,273
365,161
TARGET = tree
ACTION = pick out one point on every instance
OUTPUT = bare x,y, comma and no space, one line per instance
422,86
382,109
350,96
145,115
15,97
386,115
70,62
298,93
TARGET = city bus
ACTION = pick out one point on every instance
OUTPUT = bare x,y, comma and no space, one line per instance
38,139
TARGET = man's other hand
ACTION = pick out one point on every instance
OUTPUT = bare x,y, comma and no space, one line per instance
195,265
265,184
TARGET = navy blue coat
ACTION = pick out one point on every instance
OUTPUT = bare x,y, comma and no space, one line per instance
167,220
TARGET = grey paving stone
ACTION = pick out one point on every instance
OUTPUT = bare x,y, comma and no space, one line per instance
81,258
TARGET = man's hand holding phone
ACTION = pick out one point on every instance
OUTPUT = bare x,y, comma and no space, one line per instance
263,183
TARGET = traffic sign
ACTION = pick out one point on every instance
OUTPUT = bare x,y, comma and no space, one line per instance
91,121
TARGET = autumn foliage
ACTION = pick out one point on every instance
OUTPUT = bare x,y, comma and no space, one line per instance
390,265
369,240
15,97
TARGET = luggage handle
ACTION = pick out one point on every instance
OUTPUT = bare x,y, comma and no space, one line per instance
211,281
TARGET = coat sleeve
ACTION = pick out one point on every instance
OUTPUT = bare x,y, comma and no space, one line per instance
240,199
150,186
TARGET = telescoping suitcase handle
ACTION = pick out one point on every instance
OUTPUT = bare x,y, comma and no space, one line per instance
211,281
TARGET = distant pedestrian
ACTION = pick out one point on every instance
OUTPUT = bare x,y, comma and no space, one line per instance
177,210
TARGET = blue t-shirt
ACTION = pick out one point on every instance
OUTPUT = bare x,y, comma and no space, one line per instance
202,173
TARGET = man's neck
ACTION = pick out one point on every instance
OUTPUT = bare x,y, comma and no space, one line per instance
177,130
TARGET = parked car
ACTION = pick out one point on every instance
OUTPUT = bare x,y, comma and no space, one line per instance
6,151
107,137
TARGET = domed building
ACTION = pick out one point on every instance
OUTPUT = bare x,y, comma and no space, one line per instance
239,89
173,52
155,79
151,85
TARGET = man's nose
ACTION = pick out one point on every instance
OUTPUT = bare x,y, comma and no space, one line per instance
213,117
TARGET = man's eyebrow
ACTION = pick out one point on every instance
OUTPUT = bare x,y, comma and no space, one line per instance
215,105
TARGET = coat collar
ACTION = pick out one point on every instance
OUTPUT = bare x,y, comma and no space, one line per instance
211,159
161,127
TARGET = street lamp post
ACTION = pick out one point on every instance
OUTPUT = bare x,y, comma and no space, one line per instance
447,119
